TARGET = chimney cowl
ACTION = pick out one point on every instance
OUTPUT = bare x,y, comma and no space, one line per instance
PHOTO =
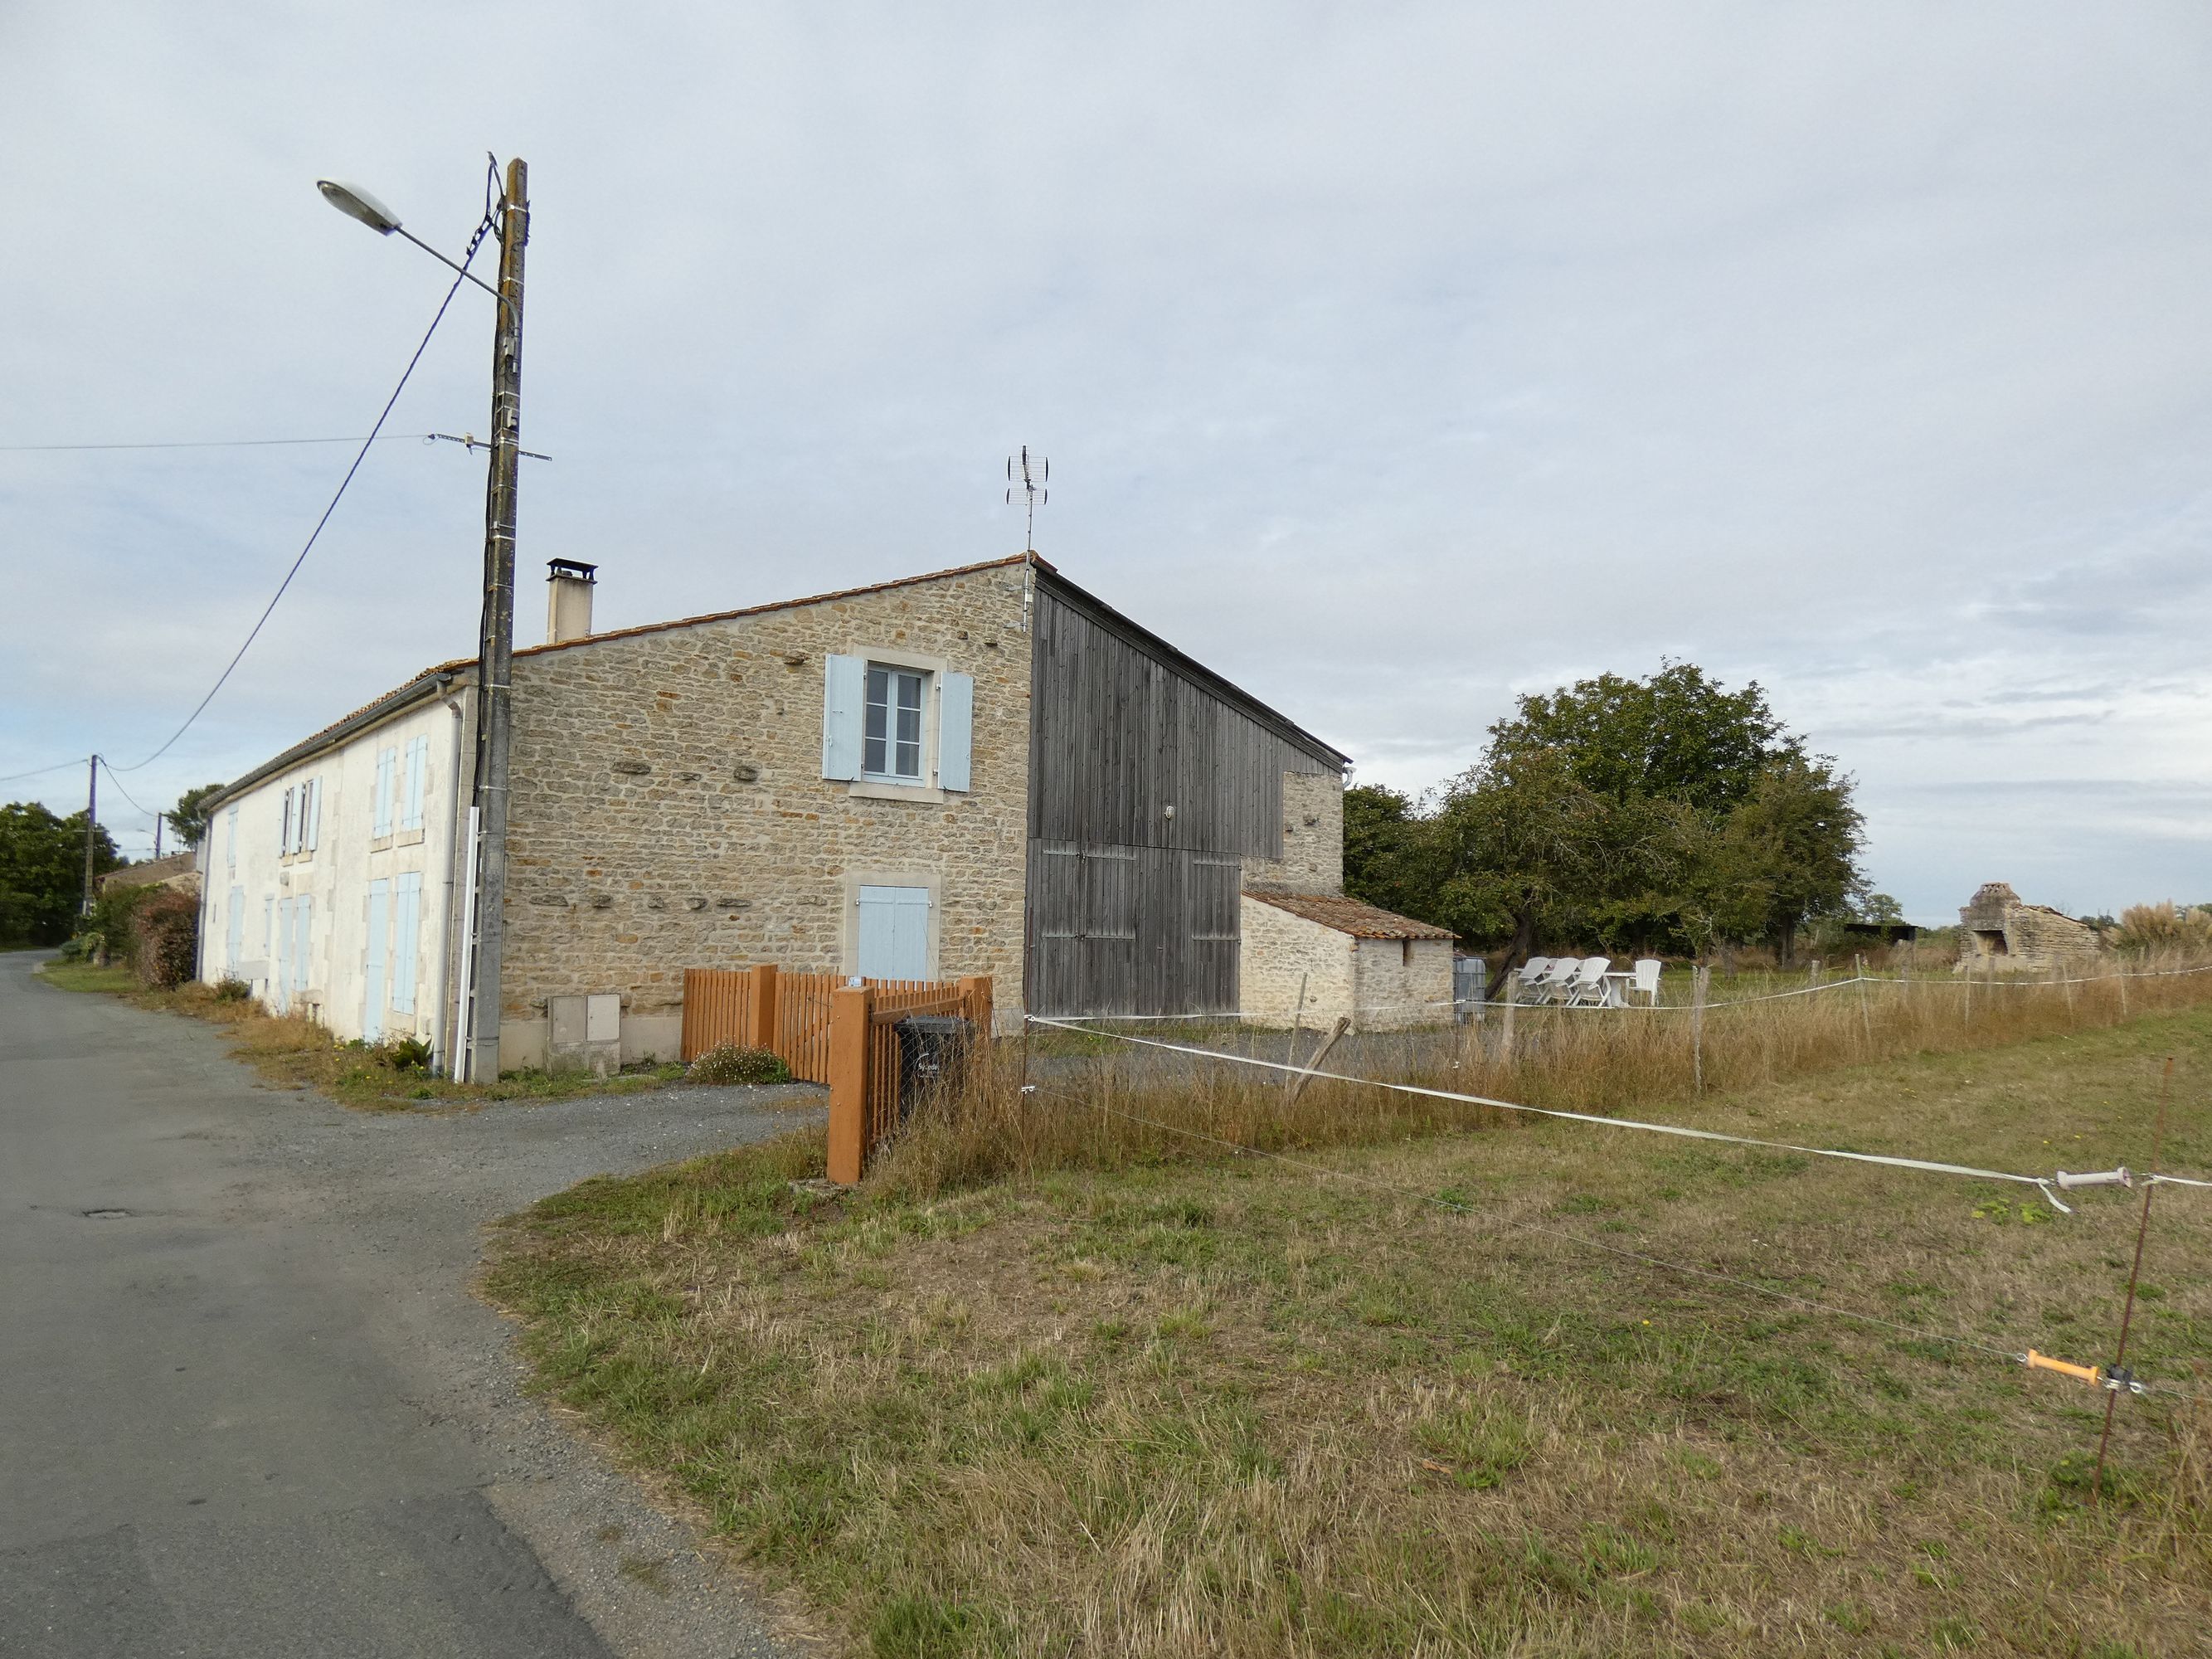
568,584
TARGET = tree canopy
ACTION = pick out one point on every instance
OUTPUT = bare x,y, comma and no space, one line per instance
188,817
42,871
1666,812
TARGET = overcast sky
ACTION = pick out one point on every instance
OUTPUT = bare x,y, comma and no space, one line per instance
1394,360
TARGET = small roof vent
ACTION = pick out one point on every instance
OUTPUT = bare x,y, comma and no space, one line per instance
575,569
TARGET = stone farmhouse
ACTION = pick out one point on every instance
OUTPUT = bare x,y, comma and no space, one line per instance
1999,934
982,770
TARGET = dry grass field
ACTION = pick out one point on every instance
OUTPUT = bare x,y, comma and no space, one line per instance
1388,1375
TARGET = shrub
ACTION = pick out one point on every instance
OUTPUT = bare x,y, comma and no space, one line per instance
730,1064
231,990
2151,929
165,937
404,1054
107,926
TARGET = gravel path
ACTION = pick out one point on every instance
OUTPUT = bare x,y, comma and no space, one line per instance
259,1412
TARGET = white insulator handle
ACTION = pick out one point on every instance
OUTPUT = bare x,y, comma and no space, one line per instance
2118,1177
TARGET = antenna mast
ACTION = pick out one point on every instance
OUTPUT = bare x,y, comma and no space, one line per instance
1026,477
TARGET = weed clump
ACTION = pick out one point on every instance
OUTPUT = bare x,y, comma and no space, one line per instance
730,1064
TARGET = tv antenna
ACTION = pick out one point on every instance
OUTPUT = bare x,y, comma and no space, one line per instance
1025,476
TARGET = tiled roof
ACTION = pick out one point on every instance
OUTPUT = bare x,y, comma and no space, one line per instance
1347,915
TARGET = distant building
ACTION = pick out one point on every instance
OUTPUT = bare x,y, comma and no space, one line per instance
177,870
1379,971
1998,934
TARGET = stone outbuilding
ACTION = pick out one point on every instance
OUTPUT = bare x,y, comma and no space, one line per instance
1379,971
179,869
1999,934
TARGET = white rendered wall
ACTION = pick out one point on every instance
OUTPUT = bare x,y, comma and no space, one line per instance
243,862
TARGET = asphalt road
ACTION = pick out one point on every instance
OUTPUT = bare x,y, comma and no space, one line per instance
248,1405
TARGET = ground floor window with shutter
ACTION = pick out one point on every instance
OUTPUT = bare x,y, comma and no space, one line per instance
894,934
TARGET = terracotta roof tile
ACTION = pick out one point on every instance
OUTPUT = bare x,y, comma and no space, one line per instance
1347,915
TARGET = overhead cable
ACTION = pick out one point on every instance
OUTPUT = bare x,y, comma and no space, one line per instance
475,242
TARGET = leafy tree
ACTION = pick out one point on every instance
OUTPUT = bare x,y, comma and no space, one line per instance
1387,848
1881,910
189,816
1639,813
42,871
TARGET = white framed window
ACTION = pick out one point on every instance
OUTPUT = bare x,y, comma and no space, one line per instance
903,724
890,728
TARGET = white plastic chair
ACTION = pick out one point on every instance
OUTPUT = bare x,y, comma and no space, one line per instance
1647,979
1585,985
1532,974
1557,978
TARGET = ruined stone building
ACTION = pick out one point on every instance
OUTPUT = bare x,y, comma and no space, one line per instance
1997,933
983,770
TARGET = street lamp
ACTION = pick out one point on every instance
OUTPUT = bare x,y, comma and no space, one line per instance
479,988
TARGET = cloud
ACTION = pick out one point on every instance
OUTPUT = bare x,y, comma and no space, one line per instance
1394,364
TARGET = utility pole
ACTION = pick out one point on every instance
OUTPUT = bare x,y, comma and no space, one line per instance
91,827
496,633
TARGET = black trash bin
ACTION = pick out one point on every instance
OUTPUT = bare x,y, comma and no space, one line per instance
933,1052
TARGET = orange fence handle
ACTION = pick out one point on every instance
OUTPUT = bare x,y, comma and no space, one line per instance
2044,1362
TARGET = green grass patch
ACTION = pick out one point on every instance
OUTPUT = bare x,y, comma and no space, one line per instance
1237,1406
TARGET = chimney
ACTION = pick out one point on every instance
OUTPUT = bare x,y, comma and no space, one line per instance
567,600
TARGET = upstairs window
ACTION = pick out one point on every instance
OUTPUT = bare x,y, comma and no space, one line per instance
890,741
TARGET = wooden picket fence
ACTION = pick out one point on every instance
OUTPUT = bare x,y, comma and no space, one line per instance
828,1030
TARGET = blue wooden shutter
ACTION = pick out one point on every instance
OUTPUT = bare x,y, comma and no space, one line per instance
418,759
407,941
312,814
956,720
386,761
284,828
844,693
380,930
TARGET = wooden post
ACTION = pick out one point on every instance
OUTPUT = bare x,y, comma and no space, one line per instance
1699,977
1513,1000
1866,1019
1297,1022
851,1007
977,988
764,1021
1812,974
1299,1082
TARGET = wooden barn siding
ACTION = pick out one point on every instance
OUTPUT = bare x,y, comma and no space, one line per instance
1133,912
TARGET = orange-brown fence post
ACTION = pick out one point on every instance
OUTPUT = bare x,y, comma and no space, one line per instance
689,1046
763,991
977,988
850,1009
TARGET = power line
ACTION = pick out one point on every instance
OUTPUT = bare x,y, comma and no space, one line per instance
215,443
118,783
40,771
475,242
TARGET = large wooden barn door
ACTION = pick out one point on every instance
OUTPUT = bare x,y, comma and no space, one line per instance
1130,930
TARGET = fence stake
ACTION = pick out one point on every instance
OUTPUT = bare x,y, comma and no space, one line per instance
1297,1021
1512,999
1866,1019
1699,978
850,1008
977,988
2128,1310
1299,1082
2124,990
764,1017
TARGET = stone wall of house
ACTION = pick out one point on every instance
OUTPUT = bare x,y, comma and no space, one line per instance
1997,933
1401,983
1278,950
1313,837
668,809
